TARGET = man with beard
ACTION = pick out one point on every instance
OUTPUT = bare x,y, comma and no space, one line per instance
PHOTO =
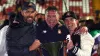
51,32
80,43
21,34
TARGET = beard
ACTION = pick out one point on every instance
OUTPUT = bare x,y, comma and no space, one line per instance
29,19
52,23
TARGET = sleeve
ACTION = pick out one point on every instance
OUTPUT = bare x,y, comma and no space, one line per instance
26,50
38,31
3,41
87,43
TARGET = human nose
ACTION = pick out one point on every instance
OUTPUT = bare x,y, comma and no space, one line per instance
68,22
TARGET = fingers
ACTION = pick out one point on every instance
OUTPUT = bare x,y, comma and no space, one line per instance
83,30
70,45
35,45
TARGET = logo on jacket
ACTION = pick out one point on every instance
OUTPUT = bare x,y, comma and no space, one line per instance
44,31
59,31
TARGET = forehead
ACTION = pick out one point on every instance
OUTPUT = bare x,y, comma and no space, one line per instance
51,12
70,18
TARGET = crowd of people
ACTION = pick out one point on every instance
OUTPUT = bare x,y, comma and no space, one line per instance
28,33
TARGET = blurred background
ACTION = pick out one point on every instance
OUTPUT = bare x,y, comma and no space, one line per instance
86,9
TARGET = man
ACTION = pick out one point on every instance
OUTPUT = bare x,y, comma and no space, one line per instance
21,33
80,43
51,31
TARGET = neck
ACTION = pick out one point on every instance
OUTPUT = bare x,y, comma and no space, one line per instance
71,32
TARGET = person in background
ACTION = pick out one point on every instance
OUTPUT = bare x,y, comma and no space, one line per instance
80,43
95,32
39,18
5,17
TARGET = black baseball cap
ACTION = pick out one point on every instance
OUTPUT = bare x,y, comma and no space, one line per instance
69,14
27,5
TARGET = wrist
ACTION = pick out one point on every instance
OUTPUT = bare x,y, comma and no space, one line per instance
74,50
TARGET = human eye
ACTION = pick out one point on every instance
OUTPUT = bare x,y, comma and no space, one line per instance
27,11
32,11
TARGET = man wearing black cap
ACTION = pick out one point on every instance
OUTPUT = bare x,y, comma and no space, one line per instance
80,43
21,34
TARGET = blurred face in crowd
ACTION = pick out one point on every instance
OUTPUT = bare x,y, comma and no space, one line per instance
71,23
52,18
29,15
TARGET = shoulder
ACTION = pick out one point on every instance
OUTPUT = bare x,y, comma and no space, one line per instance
4,28
41,25
63,28
87,37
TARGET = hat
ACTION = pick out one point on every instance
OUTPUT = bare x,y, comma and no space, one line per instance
27,5
69,14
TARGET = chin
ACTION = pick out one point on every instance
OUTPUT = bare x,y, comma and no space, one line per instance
29,22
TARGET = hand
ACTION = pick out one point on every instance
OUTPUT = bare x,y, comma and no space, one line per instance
70,45
35,45
83,29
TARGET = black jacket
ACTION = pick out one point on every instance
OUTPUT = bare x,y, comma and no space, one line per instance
19,38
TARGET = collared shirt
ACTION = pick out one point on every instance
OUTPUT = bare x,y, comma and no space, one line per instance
46,34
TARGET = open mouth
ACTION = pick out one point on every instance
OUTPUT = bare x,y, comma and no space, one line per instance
30,20
69,26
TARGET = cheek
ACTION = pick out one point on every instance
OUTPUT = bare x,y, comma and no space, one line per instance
66,22
47,19
74,24
25,14
54,19
57,17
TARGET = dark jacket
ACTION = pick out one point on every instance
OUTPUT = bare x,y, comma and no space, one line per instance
47,35
19,38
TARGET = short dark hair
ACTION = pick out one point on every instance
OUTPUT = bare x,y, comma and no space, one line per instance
52,8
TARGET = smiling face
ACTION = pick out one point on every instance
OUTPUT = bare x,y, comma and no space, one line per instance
28,15
52,18
71,23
